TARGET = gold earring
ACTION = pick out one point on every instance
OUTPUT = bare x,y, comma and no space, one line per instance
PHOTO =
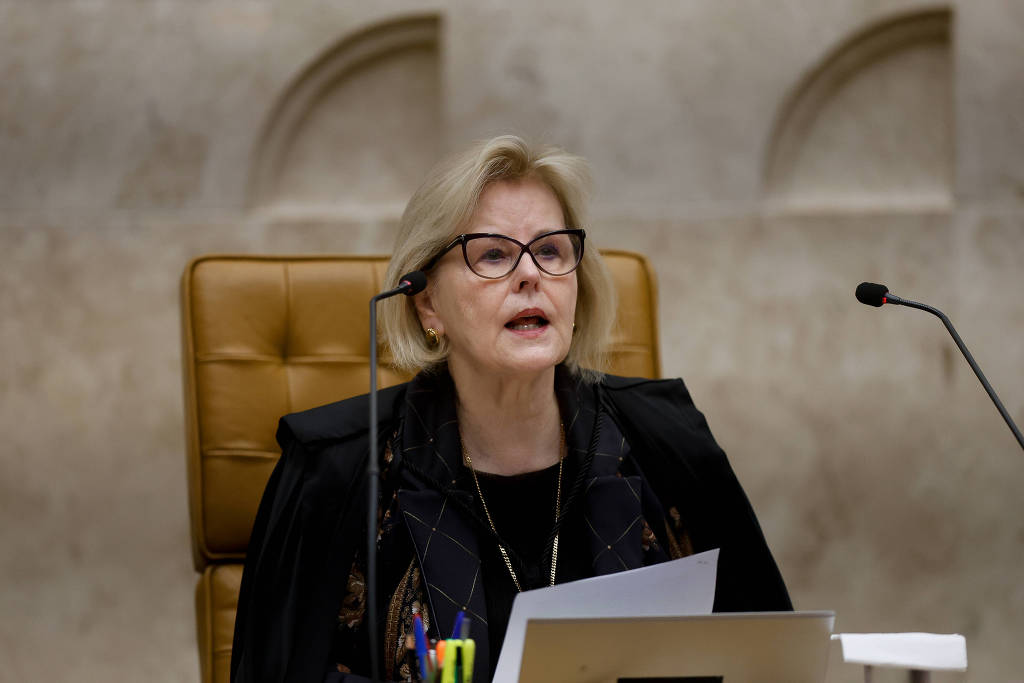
433,338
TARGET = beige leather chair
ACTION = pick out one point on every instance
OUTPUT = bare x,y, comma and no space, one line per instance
268,335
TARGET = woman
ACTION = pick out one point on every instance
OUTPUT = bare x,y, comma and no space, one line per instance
509,462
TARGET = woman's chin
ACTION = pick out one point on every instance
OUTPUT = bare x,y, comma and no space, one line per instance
529,361
511,354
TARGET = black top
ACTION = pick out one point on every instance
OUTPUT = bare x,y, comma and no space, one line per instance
523,509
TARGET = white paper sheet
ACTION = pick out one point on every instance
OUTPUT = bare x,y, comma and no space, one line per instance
923,651
678,588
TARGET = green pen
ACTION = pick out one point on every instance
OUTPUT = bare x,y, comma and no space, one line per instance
468,653
451,658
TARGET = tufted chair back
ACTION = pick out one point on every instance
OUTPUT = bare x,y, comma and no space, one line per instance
264,336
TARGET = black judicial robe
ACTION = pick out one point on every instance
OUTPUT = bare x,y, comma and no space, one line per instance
312,519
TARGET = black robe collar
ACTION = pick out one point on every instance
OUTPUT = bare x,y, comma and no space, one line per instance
436,500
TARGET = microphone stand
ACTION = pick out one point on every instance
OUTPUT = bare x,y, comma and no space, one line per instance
409,284
372,489
893,299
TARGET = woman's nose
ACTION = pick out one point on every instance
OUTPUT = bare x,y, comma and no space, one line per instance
526,272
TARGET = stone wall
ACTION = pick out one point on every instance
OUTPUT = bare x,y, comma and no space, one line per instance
766,156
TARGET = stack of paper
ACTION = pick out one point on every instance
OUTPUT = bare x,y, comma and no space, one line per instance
681,587
921,651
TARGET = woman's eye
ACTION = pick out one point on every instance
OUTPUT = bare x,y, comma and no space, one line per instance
492,255
546,251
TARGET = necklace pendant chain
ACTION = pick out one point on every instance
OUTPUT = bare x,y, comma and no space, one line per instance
508,563
558,510
554,557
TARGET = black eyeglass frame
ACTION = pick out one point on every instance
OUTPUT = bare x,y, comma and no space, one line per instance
523,249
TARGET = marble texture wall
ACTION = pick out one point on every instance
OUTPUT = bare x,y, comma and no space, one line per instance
766,156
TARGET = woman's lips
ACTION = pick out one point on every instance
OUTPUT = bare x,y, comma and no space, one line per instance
529,323
526,323
530,326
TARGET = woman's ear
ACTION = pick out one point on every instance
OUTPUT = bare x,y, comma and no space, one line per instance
425,310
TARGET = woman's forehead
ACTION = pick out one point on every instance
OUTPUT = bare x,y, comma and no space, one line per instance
518,208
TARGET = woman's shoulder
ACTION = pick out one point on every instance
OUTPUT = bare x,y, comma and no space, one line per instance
672,390
339,421
661,413
619,382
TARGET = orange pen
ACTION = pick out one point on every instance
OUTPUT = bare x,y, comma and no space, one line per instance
440,653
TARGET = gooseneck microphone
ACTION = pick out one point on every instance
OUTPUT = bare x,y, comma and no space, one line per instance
409,284
873,294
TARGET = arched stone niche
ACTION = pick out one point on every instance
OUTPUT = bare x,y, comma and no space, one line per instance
871,127
354,133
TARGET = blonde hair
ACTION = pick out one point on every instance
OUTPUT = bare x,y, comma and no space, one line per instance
445,202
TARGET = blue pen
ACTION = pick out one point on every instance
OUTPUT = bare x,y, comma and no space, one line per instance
421,645
458,624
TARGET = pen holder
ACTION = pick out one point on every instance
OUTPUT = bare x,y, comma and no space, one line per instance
451,662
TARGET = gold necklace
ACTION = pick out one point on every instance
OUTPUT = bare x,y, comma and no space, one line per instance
558,509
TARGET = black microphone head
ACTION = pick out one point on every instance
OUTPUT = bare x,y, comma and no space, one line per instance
414,282
871,294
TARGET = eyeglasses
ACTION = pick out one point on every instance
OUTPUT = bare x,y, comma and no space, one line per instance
493,256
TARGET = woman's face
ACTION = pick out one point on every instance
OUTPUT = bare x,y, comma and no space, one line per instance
521,323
